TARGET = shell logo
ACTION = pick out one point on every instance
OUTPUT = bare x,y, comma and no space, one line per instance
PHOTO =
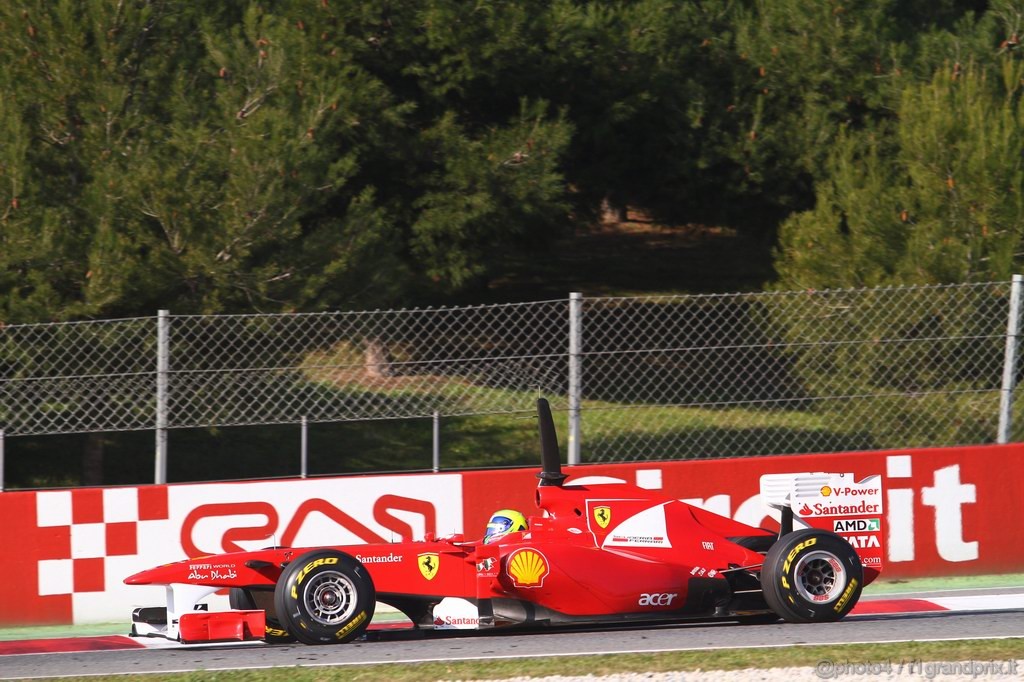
527,568
826,491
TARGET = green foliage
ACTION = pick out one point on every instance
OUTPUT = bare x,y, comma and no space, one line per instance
210,159
932,198
503,182
813,70
305,156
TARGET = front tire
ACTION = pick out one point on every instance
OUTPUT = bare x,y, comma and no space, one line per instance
812,576
325,597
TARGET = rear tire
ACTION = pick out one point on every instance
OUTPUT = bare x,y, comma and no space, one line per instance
325,597
812,576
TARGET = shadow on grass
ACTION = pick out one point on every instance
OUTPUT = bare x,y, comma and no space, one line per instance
717,442
489,441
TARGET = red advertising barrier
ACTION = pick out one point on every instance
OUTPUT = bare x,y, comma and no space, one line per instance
948,511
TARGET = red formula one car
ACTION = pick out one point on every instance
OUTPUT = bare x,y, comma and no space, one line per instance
598,551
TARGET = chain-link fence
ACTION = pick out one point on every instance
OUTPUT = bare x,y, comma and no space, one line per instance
793,372
659,377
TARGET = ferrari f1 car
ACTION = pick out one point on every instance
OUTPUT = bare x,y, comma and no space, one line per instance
598,551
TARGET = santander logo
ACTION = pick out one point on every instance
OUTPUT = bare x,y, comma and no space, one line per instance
819,509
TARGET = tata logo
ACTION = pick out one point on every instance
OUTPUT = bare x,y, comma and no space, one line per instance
657,599
856,525
863,541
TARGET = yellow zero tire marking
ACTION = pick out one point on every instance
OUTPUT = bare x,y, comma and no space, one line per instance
326,561
810,542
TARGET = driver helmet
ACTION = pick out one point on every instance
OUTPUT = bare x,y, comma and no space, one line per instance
503,522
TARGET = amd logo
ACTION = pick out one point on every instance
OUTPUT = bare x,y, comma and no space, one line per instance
657,599
855,525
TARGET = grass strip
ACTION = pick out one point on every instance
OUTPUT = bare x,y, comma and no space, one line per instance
885,585
980,650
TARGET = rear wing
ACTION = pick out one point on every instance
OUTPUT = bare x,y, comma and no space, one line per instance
832,502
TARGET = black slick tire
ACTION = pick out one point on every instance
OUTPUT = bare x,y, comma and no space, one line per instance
325,597
812,576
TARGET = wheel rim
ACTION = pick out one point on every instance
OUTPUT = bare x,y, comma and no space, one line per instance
330,598
820,577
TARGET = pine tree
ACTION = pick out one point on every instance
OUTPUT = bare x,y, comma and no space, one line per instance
219,159
935,198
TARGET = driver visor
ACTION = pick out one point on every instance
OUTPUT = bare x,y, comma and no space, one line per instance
498,525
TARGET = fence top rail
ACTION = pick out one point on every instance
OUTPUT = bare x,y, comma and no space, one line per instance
485,306
27,325
802,292
377,311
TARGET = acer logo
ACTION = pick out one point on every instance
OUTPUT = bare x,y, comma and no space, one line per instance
270,524
657,599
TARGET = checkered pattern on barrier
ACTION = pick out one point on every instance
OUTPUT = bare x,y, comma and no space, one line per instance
85,527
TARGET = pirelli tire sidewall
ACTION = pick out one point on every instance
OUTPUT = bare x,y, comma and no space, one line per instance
325,597
793,558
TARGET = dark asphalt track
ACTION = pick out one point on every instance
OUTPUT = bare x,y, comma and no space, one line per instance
397,647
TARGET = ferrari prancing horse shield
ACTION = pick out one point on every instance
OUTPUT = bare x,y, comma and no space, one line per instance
603,516
428,563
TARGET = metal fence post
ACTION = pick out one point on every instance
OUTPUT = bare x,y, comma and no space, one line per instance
304,449
1010,362
1,460
575,347
163,357
437,441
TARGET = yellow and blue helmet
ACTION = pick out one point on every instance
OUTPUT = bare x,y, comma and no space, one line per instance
503,522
